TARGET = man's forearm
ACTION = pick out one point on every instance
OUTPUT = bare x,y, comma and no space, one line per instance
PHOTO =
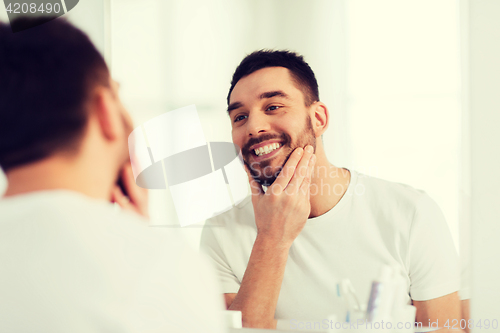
260,287
280,215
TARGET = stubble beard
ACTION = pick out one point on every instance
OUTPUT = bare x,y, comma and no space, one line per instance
263,172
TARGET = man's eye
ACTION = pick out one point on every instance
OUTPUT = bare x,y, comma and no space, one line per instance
272,108
238,118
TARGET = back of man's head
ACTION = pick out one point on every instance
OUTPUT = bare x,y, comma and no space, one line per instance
300,71
47,74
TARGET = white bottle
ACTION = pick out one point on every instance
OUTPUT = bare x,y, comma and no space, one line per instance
379,305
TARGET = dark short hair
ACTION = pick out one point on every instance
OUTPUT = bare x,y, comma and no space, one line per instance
300,71
46,76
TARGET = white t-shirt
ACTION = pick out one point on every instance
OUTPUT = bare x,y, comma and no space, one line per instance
376,222
69,263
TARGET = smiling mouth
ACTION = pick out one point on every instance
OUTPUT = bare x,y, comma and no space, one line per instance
263,151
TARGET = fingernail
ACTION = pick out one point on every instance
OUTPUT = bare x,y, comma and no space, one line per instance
309,149
299,151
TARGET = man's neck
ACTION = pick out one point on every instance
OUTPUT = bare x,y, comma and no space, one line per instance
59,172
328,186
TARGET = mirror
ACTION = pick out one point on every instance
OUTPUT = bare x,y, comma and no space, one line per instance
388,71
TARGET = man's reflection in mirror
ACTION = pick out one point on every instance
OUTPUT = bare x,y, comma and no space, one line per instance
310,224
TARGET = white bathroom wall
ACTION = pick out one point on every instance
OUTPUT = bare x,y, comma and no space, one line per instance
482,30
404,95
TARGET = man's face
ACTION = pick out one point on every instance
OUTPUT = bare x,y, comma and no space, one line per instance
269,120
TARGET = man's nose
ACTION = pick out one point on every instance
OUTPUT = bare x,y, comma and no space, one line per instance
257,124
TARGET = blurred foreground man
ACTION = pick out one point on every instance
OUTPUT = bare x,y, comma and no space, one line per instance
69,261
281,253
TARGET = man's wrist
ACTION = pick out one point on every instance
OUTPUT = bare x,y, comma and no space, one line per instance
268,242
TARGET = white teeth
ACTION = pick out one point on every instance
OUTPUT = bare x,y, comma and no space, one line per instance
266,149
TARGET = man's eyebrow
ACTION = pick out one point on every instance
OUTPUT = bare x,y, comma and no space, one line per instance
264,95
234,106
270,94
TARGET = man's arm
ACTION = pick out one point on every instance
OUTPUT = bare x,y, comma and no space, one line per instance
280,215
433,269
260,287
440,310
229,298
466,312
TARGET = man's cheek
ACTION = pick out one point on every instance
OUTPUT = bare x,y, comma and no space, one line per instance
237,139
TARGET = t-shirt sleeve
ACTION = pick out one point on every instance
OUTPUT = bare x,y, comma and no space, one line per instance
211,246
433,259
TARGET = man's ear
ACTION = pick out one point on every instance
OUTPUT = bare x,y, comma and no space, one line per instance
320,118
105,110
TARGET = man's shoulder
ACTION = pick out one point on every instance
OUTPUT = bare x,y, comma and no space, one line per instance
391,195
69,214
389,188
